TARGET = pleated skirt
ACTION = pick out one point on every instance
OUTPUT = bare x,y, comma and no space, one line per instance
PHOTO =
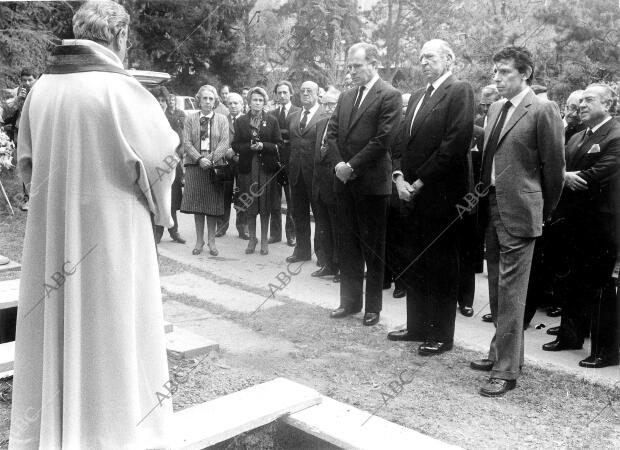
201,194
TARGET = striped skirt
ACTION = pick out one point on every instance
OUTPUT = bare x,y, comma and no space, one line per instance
202,195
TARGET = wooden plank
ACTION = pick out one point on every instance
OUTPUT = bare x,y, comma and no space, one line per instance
215,421
7,356
348,427
9,293
183,344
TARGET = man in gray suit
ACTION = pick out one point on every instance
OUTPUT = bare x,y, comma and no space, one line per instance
522,177
302,134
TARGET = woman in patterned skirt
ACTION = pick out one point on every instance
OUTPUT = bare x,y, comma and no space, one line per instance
257,137
205,141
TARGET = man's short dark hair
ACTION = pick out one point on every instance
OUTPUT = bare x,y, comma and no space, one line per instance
27,72
283,83
522,59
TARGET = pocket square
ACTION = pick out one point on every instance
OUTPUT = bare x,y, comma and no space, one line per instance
595,149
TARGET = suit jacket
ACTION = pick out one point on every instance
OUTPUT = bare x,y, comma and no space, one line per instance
529,164
191,139
435,149
269,134
285,148
597,159
323,176
303,143
364,139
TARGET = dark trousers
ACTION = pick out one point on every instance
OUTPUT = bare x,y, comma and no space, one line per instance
301,194
468,259
326,234
224,221
159,230
591,295
362,221
396,235
432,278
8,319
275,227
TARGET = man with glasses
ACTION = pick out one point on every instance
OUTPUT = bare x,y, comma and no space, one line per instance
572,120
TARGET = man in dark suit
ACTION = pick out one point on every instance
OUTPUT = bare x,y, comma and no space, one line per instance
359,135
235,106
431,174
522,177
326,230
283,91
302,134
587,207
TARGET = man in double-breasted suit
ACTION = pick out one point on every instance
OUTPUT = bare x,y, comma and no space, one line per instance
522,177
302,134
431,173
586,211
359,135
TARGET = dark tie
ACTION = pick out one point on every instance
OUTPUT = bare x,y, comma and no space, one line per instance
304,120
586,136
282,117
427,96
491,148
358,99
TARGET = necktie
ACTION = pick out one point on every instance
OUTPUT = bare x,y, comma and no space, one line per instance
282,117
491,148
427,96
358,99
586,136
304,120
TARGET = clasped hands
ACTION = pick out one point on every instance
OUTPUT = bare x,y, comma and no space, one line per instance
407,191
256,146
575,182
344,172
204,163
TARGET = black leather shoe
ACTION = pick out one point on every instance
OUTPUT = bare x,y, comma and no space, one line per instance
467,311
323,272
557,345
176,237
487,318
404,335
554,312
482,364
371,319
496,387
295,258
244,236
399,293
598,362
553,331
290,242
387,284
337,278
339,313
434,348
273,240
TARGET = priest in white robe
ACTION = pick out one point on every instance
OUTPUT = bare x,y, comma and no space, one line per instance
98,155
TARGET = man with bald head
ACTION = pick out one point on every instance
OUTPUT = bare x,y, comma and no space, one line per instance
301,126
587,206
431,173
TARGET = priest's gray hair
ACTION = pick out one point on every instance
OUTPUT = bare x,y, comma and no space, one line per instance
100,21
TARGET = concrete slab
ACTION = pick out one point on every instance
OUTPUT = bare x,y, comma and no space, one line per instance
9,293
183,344
11,266
350,428
230,297
215,421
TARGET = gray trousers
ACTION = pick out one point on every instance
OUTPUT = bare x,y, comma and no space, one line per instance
509,259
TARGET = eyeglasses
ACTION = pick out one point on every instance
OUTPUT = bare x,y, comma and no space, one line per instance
572,109
128,43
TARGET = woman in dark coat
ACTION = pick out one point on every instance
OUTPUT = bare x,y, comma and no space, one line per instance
205,141
257,138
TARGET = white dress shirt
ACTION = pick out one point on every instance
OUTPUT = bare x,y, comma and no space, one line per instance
312,110
438,82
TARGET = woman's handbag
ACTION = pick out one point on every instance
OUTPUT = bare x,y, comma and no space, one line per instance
222,173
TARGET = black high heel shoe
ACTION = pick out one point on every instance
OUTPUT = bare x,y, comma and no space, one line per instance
251,246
